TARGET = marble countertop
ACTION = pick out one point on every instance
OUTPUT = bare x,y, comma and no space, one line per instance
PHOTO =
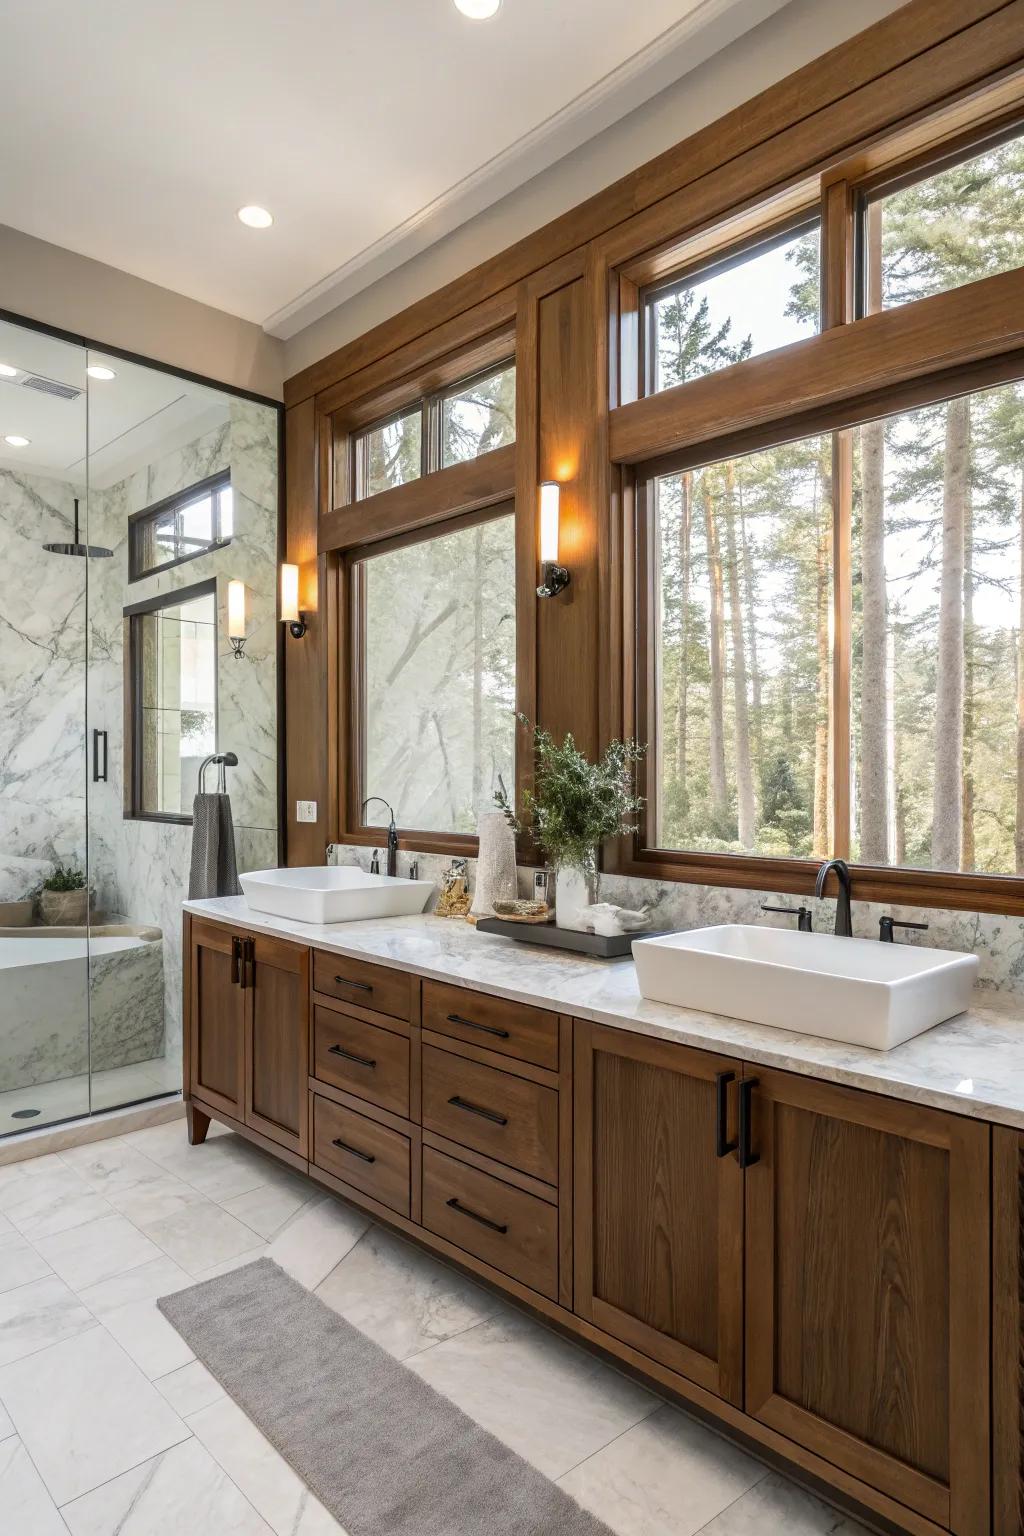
972,1065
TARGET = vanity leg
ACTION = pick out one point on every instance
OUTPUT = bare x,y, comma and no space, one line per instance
198,1124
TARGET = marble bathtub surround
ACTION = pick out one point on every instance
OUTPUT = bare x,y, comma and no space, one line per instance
972,1065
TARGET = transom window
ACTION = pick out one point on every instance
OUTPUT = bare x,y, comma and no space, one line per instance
182,527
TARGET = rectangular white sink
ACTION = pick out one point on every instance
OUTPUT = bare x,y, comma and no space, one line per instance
858,991
338,894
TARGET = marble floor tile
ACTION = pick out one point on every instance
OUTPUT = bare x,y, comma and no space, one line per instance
222,1167
777,1505
25,1190
401,1297
145,1282
86,1413
25,1505
265,1478
155,1199
6,1424
201,1235
267,1208
667,1476
38,1314
317,1239
110,1165
49,1208
555,1405
19,1262
180,1490
249,1256
189,1388
145,1334
94,1252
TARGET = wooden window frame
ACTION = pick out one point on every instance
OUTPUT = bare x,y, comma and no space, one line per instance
859,367
132,730
212,486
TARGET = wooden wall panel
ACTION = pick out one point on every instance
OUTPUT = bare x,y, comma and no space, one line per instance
304,724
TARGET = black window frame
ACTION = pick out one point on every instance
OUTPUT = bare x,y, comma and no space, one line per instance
212,486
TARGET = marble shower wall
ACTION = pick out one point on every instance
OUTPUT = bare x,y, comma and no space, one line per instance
140,868
42,684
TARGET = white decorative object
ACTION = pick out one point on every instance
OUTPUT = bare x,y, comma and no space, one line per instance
496,878
575,894
607,919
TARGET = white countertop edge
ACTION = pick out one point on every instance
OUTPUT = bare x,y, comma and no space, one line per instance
972,1065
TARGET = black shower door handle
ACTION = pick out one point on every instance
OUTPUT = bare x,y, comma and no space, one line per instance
99,776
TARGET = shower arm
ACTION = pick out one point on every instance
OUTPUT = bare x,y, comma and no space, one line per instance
223,760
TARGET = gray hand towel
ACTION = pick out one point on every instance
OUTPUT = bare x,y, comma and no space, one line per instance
214,867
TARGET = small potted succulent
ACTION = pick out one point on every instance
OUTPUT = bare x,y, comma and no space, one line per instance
64,898
573,808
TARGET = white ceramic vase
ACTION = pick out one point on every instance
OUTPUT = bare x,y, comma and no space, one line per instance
575,890
496,878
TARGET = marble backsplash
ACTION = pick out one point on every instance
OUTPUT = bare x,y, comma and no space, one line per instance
998,941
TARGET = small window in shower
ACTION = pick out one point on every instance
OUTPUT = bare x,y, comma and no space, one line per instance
182,527
172,700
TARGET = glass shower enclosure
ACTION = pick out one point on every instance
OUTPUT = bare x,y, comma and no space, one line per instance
131,500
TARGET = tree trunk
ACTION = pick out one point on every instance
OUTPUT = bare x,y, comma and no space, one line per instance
820,834
478,670
756,722
947,795
968,853
874,765
682,684
1018,841
745,804
716,652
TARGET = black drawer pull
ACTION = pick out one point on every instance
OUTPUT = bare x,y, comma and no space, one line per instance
362,1061
486,1029
485,1221
747,1158
360,986
236,960
366,1157
723,1145
475,1109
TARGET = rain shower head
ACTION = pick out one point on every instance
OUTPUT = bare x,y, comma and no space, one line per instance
80,551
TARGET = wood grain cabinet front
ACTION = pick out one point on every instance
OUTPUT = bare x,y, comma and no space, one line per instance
371,1157
514,1231
216,1009
363,983
362,1058
508,1118
494,1023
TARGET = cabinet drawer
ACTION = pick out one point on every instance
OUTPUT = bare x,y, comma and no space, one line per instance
368,1156
357,981
362,1058
506,1227
502,1116
528,1034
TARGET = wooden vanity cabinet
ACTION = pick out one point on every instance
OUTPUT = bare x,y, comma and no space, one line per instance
216,1010
1007,1332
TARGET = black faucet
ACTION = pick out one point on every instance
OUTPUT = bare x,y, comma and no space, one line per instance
844,923
392,833
804,916
887,924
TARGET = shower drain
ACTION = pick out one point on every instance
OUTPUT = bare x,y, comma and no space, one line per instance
24,1114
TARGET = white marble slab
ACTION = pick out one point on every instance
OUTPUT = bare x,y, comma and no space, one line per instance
973,1065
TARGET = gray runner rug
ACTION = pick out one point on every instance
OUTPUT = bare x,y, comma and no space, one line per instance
387,1454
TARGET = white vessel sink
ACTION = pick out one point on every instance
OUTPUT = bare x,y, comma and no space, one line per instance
332,895
858,991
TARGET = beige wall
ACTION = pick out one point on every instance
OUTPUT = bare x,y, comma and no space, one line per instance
45,282
801,31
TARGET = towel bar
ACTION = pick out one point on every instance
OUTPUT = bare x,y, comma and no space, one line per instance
223,760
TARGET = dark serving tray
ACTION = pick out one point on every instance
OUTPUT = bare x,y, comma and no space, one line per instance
614,946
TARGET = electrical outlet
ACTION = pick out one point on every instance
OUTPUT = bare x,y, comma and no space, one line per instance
305,810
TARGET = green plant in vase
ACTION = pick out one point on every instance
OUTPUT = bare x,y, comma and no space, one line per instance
573,808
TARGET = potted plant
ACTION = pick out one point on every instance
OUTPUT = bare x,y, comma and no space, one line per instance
573,808
64,898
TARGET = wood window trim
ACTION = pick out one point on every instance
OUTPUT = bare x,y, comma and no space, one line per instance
420,504
351,699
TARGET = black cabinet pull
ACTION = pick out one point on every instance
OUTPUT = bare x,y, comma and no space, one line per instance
747,1158
360,986
248,962
362,1061
485,1221
475,1109
723,1146
99,775
487,1029
365,1157
236,957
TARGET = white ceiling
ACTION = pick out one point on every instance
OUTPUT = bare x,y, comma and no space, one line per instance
134,129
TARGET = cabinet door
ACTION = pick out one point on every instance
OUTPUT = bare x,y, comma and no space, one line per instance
277,1041
1007,1331
658,1212
867,1300
216,1018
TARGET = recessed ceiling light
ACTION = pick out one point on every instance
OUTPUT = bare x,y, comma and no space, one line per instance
477,10
7,372
255,217
17,442
98,371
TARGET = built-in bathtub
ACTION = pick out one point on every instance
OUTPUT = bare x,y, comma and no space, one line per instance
59,986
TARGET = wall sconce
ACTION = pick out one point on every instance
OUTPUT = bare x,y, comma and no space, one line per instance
236,618
553,576
290,614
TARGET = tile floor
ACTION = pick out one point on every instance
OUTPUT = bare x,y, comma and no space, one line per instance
67,1097
109,1425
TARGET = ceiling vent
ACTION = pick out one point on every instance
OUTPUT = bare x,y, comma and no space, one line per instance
51,387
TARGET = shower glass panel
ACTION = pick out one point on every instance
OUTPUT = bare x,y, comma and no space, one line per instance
44,570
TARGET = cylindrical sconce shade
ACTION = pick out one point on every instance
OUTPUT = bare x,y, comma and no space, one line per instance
549,522
290,593
236,610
